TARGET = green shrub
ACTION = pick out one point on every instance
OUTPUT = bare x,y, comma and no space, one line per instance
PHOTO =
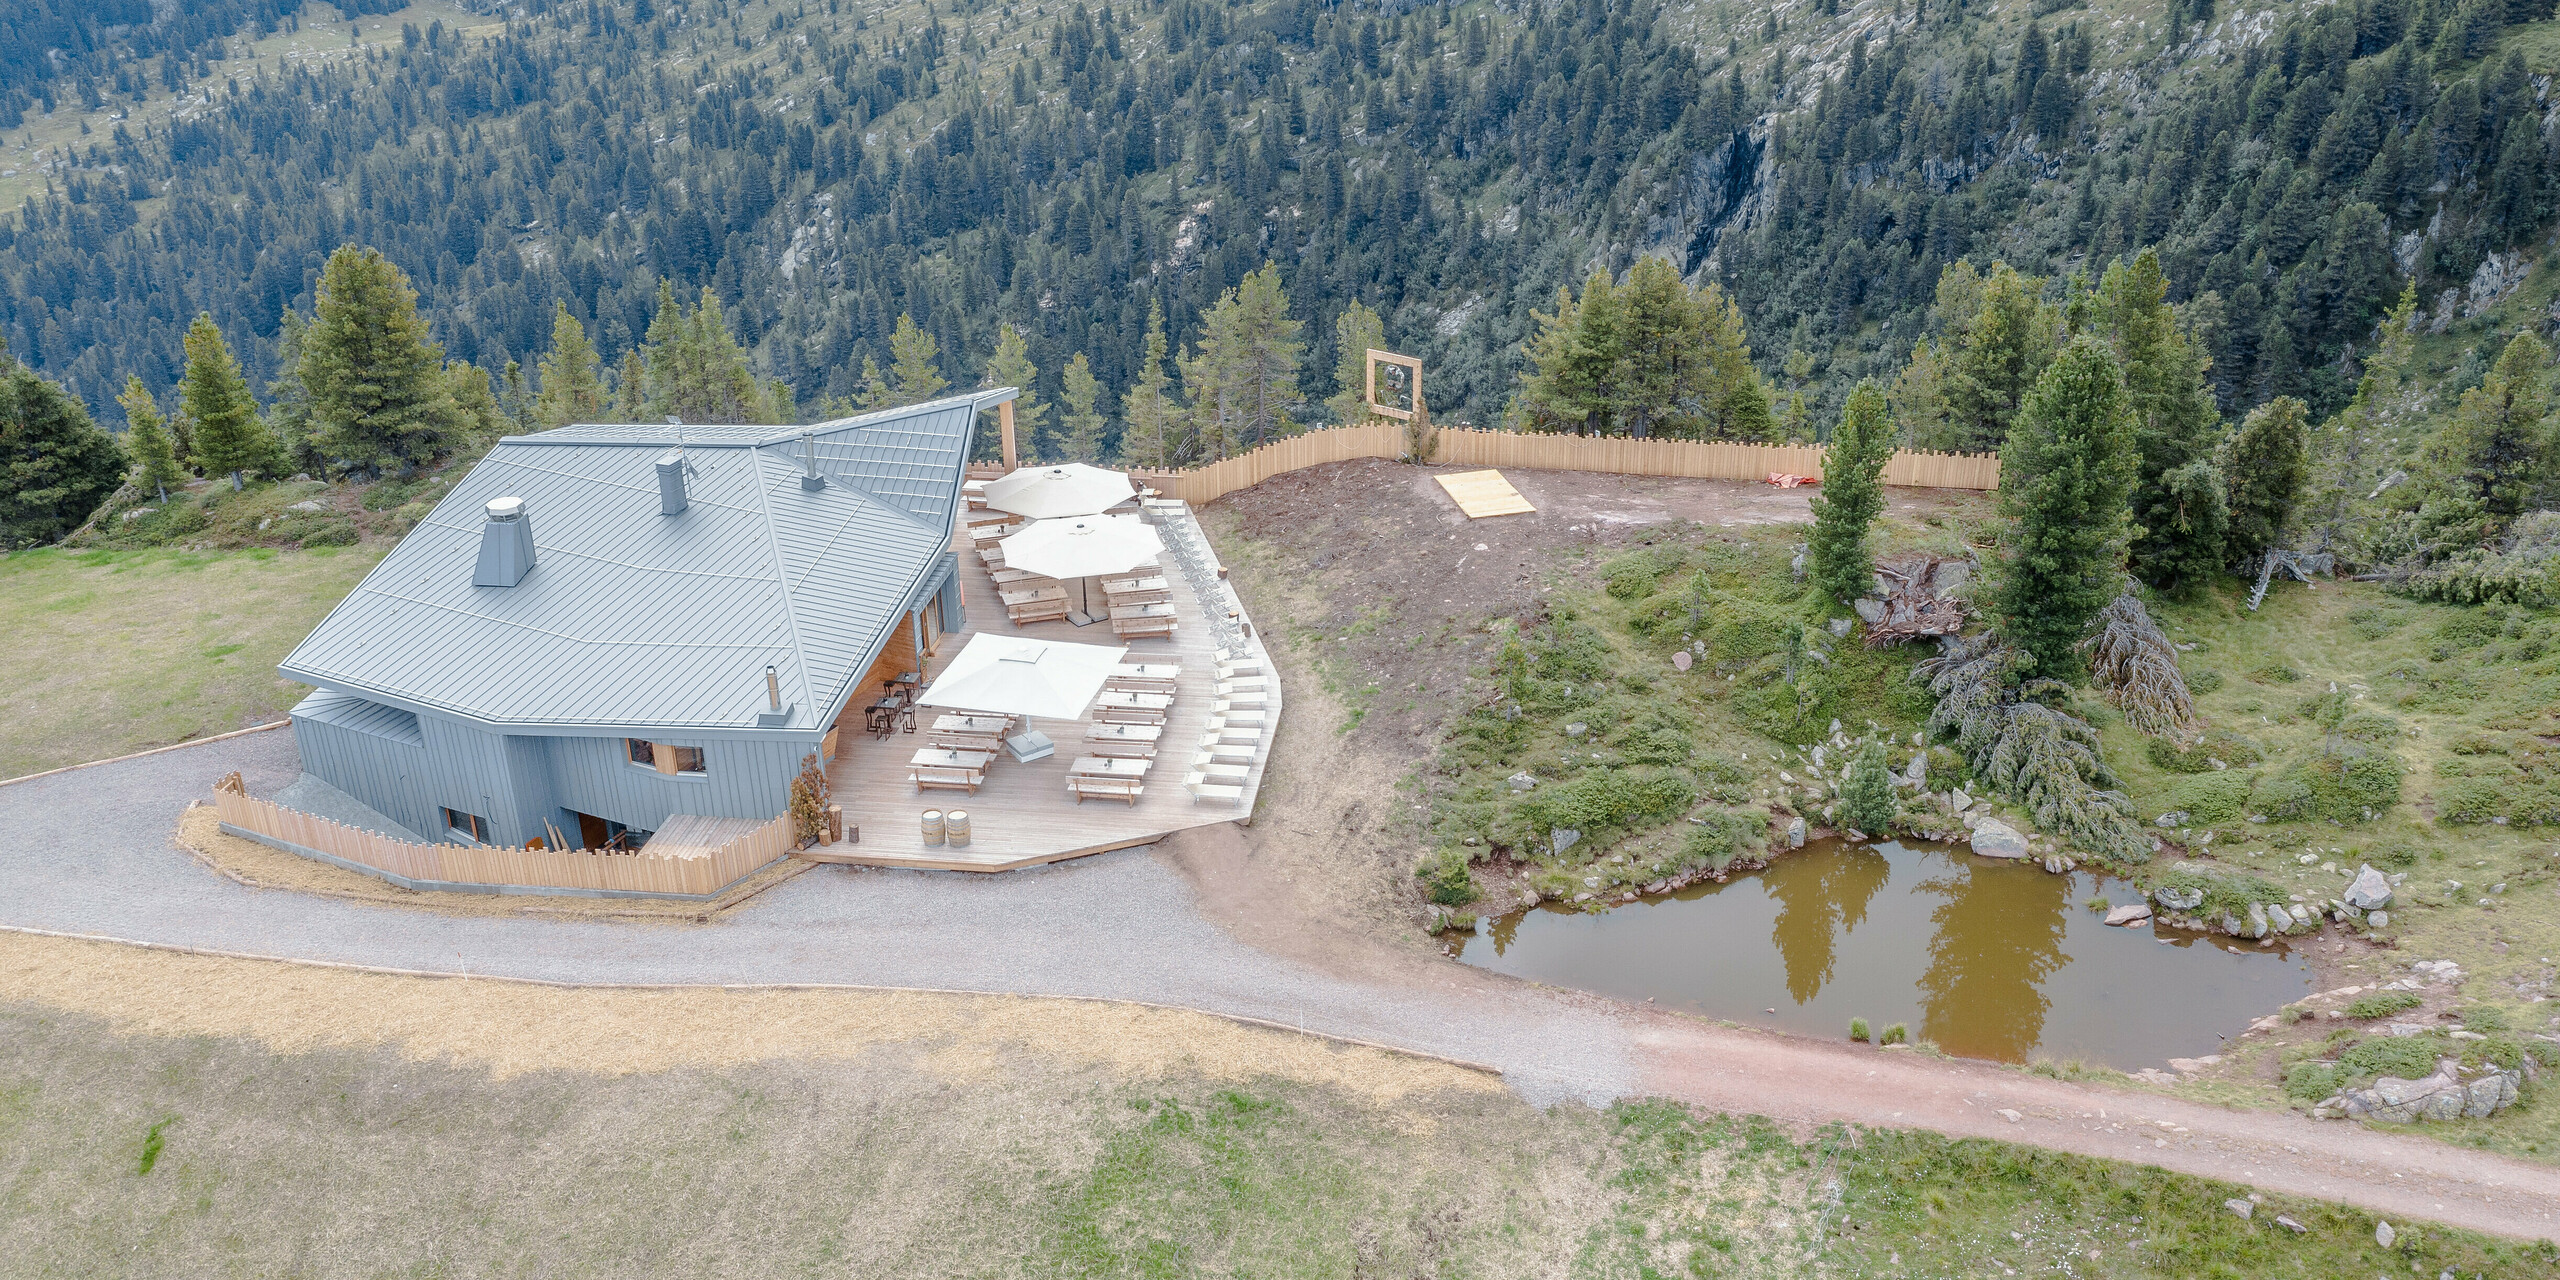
2217,744
2473,800
1447,879
1742,631
1895,1034
1635,575
2382,1004
1858,1030
2212,799
2396,857
2369,727
2351,783
2373,623
2310,1081
2277,673
1607,800
1657,734
1715,840
1722,780
2467,628
337,532
2204,682
2408,1057
2481,1017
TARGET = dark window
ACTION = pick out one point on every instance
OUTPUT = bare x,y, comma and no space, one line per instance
689,760
640,751
469,824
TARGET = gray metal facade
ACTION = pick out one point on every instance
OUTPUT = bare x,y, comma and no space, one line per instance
513,704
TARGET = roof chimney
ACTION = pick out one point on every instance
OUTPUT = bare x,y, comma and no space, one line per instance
809,478
776,714
671,497
506,545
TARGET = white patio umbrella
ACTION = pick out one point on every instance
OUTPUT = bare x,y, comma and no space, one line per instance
1071,489
1035,679
1083,547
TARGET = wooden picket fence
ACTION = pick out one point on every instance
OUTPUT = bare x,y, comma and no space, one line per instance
692,872
1618,455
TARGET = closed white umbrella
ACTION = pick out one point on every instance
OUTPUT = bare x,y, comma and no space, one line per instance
1070,489
1083,547
1011,675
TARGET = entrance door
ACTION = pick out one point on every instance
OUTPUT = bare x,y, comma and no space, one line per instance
593,832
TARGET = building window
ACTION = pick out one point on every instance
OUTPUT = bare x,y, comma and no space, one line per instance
665,758
467,824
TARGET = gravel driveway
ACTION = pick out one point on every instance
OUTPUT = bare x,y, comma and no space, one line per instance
89,852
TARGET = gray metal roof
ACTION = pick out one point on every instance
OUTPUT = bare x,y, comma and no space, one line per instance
635,620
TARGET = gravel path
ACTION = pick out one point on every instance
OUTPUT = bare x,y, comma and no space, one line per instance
89,853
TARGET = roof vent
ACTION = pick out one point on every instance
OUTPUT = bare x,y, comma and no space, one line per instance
506,545
671,468
809,477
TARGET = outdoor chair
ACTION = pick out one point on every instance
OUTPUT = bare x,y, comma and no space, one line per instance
1203,789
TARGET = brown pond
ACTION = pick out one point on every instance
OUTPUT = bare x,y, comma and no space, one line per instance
1990,959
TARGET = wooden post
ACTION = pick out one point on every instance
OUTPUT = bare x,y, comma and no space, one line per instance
1004,420
835,823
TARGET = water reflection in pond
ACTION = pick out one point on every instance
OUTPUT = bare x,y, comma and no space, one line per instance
1990,959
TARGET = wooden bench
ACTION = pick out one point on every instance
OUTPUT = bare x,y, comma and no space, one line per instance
1133,591
1043,603
1126,789
1144,626
939,778
1142,677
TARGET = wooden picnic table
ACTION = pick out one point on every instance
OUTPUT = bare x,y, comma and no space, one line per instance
1134,741
1142,677
951,758
985,726
1120,591
1119,700
1107,767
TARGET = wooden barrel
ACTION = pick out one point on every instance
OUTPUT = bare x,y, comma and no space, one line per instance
955,828
932,827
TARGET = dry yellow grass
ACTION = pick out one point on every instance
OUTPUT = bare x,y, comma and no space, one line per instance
262,867
517,1028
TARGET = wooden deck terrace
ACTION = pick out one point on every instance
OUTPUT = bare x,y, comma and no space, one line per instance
1023,815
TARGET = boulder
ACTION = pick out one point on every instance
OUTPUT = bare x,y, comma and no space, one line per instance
1870,609
1917,772
2378,919
2383,1235
1795,833
2241,1207
2178,899
2278,918
1993,838
309,504
1564,838
1521,781
1680,661
2173,819
2290,1225
2368,891
2130,913
2257,920
1576,729
1958,800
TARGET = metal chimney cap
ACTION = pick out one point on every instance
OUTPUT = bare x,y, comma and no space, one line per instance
506,508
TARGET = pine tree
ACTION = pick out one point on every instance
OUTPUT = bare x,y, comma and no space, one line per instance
2266,473
1572,356
2351,454
1082,424
478,417
631,390
1355,334
56,466
1852,494
874,392
229,437
696,370
2064,479
914,376
2487,463
378,391
147,437
1866,792
289,401
2175,423
1244,382
572,377
1650,357
1151,434
1011,366
1964,388
515,399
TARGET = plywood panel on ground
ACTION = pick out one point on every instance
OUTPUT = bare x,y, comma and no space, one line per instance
1484,493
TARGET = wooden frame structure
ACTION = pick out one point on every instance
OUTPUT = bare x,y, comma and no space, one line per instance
1413,369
